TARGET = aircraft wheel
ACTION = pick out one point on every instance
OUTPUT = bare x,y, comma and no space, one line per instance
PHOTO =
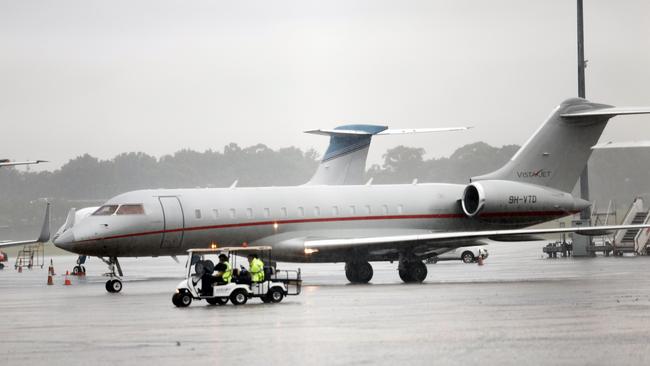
275,294
364,272
351,272
405,276
238,297
360,272
76,270
467,257
113,286
417,271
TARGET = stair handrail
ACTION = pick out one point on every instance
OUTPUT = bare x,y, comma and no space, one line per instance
635,207
641,238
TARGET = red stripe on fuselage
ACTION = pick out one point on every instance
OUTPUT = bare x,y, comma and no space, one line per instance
336,219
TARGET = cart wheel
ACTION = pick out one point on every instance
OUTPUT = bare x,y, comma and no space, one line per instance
275,294
176,299
184,299
238,297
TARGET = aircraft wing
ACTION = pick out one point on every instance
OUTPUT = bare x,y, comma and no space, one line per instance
7,162
42,238
453,239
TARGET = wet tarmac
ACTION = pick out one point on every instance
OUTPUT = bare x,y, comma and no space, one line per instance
517,309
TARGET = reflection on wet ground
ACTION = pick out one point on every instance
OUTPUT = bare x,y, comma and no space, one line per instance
516,309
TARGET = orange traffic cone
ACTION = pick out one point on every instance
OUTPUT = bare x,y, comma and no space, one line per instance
50,281
20,266
67,280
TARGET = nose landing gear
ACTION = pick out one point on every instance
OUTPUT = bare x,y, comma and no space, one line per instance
114,284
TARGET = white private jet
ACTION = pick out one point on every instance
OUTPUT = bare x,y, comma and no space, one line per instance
357,224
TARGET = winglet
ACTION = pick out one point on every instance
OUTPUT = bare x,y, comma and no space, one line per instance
45,230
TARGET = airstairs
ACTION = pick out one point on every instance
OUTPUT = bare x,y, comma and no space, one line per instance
633,240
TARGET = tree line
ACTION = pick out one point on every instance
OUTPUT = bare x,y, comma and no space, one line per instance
88,181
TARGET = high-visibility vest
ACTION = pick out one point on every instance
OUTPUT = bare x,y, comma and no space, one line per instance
257,270
227,274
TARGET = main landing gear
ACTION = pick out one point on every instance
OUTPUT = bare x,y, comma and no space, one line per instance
358,272
114,284
412,270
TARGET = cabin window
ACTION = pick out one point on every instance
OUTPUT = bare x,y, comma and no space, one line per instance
249,213
215,213
353,210
400,209
316,211
384,209
233,213
197,213
267,213
283,210
130,210
335,210
301,211
105,210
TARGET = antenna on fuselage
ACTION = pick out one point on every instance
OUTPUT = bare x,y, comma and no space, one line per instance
234,184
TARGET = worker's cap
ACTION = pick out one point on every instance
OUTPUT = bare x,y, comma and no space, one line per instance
223,257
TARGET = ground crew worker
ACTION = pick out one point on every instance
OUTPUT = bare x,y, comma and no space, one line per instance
256,268
224,270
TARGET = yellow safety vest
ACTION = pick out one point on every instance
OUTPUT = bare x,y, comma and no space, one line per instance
257,270
227,274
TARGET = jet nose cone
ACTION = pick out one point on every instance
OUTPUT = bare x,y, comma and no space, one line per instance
65,240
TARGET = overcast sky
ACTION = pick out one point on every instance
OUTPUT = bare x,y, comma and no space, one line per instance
105,77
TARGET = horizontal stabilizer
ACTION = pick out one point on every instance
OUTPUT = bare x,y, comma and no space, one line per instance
621,145
610,111
385,131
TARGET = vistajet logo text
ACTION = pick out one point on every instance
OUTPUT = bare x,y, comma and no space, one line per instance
542,173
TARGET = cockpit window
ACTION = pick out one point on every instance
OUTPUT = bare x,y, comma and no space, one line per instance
105,210
131,210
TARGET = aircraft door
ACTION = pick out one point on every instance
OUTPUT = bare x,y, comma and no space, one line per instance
174,220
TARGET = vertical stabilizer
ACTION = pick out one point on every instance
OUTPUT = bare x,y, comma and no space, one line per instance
555,155
344,162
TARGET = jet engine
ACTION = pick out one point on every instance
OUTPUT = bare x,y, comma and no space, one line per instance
496,200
